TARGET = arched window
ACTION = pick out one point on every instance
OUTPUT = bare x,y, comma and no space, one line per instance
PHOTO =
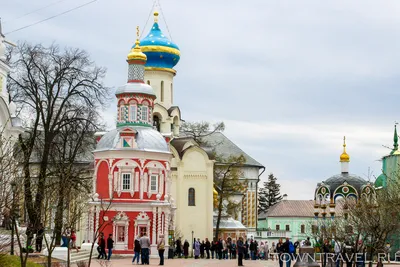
287,228
122,113
192,196
162,91
132,113
145,113
156,122
148,82
303,229
172,94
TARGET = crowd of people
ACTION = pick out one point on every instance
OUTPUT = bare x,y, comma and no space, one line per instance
284,251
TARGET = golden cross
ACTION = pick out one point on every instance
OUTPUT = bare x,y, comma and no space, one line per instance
137,31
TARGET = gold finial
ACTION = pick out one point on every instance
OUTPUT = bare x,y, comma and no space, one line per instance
137,37
155,16
344,157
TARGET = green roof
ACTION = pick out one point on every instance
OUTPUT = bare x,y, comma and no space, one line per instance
380,181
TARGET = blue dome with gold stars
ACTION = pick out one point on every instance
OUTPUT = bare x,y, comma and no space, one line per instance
161,52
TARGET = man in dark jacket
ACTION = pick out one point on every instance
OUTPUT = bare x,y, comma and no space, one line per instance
240,247
179,247
208,246
326,249
286,250
110,245
102,246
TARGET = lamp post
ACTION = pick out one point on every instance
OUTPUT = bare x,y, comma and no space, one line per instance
13,185
192,242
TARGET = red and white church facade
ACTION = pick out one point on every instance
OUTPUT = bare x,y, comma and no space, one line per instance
132,168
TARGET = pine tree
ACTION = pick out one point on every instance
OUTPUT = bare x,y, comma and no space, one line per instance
263,198
269,194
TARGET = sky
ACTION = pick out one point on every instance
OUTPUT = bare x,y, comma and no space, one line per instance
288,78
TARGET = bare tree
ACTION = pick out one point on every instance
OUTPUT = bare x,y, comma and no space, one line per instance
102,207
376,218
55,87
200,130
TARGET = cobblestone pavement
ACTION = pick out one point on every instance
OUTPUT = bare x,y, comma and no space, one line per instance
188,263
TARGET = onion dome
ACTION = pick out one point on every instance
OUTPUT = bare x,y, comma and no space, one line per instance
344,157
354,180
136,53
161,52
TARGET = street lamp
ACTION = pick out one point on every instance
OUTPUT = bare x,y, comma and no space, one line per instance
13,185
192,242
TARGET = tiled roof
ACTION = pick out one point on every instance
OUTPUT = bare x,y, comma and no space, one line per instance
298,208
292,208
225,147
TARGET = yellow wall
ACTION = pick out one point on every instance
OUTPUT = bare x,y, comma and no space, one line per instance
195,170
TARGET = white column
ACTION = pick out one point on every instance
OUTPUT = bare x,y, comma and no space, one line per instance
97,214
126,234
141,184
159,221
110,185
153,241
166,224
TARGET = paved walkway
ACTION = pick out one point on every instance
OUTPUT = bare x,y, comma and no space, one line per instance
127,261
189,263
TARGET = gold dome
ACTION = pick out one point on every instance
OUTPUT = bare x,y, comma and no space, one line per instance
344,157
136,53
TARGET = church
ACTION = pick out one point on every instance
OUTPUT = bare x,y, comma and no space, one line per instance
153,180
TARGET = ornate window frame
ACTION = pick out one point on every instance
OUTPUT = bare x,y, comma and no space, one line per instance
142,220
121,219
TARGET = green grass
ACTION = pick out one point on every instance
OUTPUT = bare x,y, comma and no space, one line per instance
14,261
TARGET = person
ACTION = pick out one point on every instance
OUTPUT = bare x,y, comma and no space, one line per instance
197,248
102,246
262,248
252,247
246,250
29,234
220,248
214,248
110,245
288,249
360,260
233,250
186,249
144,243
161,248
337,249
326,248
272,251
224,250
307,243
179,247
280,250
73,241
207,248
136,249
202,248
39,238
266,250
296,248
255,249
240,247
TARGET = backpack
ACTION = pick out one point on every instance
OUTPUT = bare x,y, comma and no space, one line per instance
291,247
